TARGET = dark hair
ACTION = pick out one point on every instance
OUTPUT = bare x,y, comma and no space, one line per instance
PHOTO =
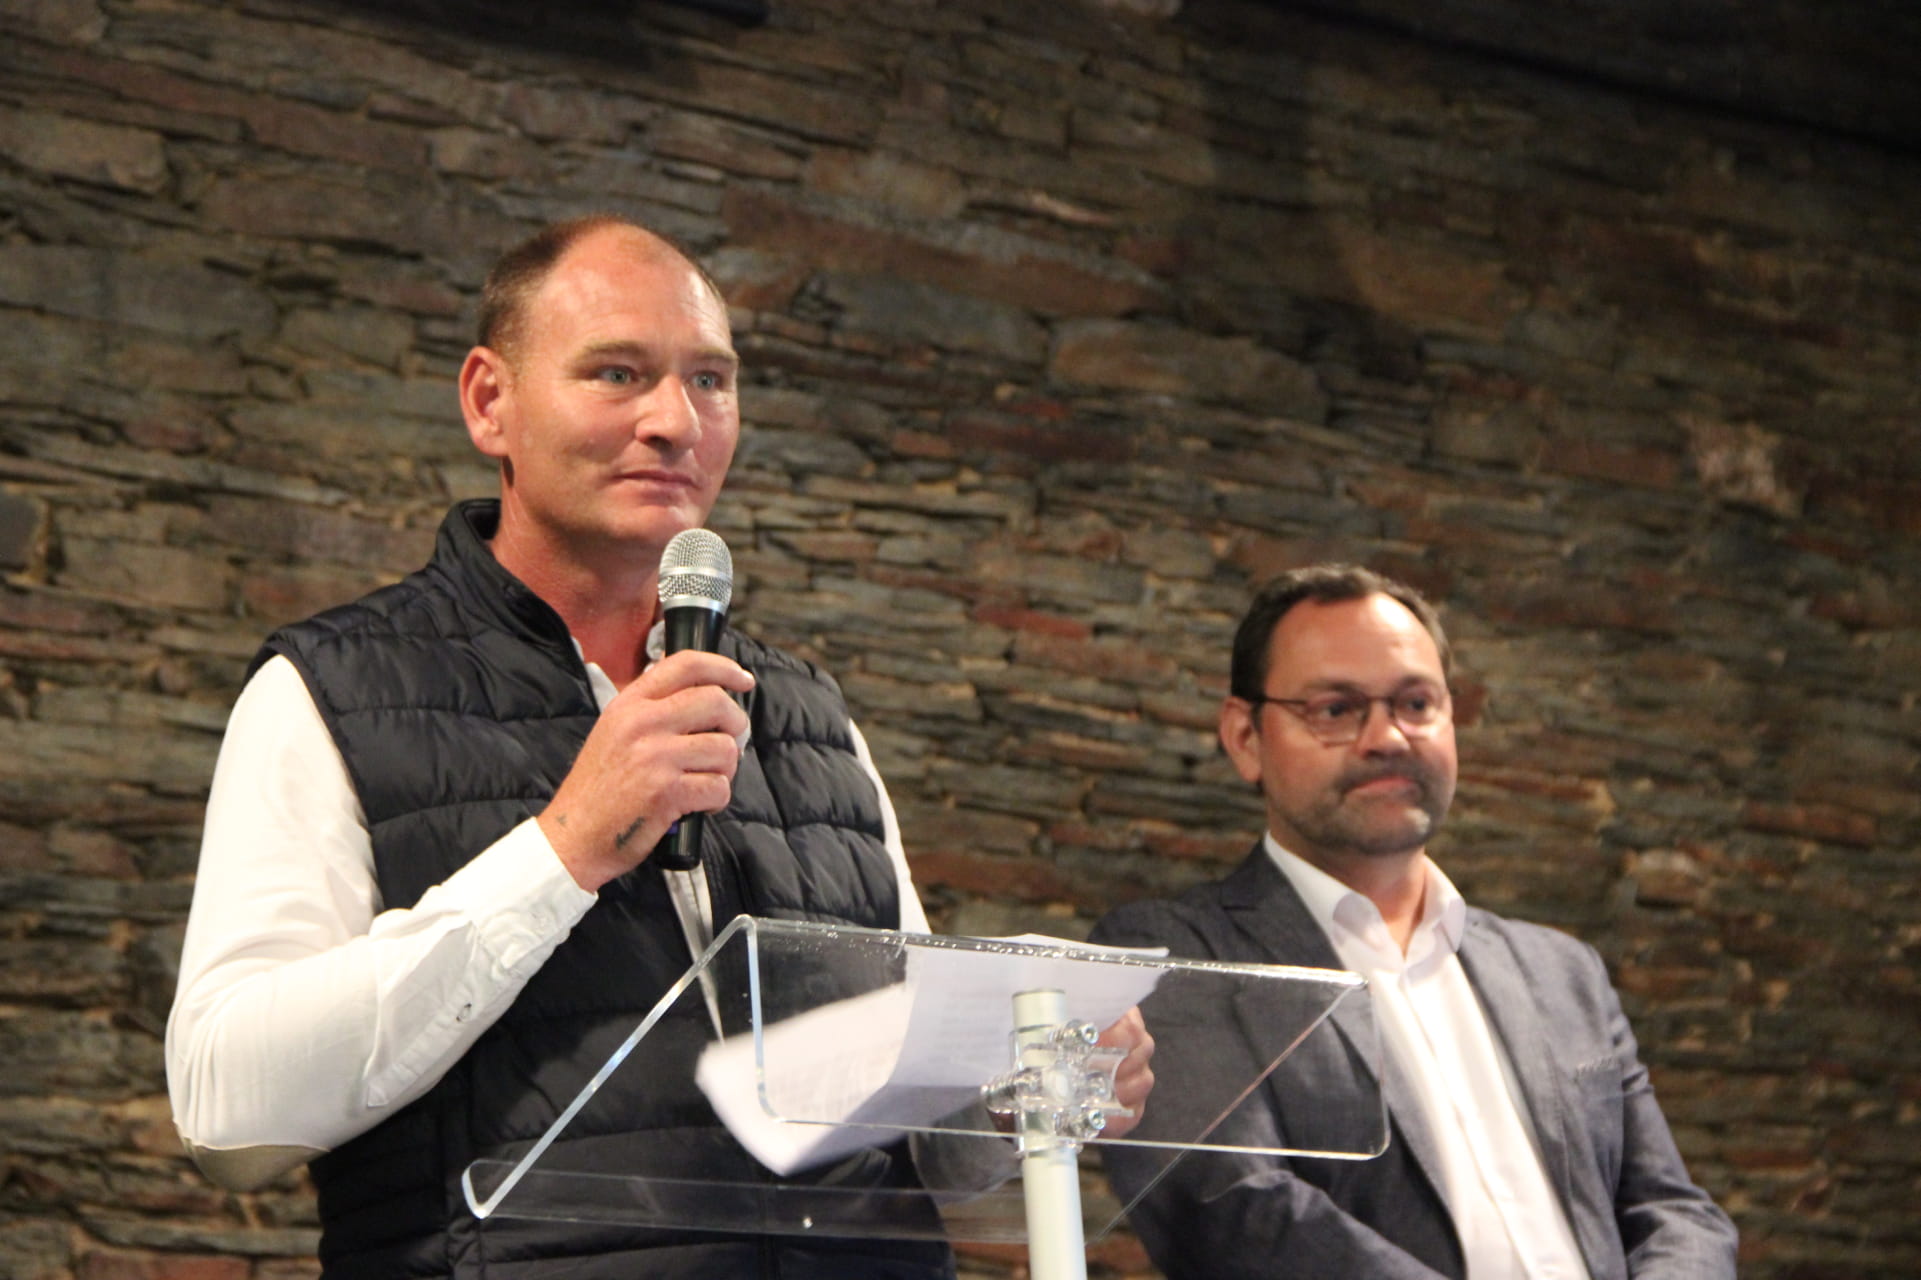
1323,584
520,272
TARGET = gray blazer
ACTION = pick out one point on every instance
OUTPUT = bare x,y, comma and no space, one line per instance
1217,1216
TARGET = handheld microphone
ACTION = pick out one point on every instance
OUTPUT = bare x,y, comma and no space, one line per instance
696,586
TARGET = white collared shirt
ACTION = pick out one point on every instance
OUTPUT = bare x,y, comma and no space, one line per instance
305,1012
1510,1222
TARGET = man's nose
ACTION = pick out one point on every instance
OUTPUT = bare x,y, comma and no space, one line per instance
668,414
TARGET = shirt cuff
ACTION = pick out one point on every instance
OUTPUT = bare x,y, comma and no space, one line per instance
522,897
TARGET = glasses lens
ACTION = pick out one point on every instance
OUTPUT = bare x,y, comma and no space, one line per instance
1417,708
1336,717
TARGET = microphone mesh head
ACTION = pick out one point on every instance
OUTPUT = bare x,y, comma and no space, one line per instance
696,569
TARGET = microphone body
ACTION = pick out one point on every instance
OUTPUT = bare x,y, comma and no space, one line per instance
694,627
696,586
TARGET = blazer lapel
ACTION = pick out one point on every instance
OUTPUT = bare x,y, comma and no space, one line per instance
1509,1003
1263,905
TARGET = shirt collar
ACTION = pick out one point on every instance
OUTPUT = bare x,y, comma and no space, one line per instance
597,680
1335,906
604,691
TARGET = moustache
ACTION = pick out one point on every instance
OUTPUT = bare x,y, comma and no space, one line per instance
1409,772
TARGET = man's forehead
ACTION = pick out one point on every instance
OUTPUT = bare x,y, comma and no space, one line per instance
619,254
616,274
718,352
626,238
1333,633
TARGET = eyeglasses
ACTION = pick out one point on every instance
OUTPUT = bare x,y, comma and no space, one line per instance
1337,718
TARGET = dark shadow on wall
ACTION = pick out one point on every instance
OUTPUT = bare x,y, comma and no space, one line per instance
576,27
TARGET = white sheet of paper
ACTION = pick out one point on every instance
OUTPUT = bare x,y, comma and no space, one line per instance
858,1072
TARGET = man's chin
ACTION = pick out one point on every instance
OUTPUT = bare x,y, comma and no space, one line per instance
656,526
1387,839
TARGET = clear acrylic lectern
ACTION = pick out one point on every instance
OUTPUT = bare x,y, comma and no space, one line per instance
829,1051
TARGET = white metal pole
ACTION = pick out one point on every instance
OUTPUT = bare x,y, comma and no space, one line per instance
1050,1168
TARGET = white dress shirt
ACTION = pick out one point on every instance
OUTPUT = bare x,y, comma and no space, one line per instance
1510,1222
306,1013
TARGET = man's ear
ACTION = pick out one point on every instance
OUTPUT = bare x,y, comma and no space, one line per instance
1241,738
483,394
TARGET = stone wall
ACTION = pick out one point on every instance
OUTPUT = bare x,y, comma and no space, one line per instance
1064,324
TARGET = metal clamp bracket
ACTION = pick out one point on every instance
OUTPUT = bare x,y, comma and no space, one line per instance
1062,1084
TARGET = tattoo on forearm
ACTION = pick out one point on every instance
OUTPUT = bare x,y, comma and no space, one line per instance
620,841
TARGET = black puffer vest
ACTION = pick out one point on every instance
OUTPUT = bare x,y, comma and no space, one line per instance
458,703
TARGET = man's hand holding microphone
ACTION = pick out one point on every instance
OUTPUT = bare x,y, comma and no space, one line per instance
665,749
